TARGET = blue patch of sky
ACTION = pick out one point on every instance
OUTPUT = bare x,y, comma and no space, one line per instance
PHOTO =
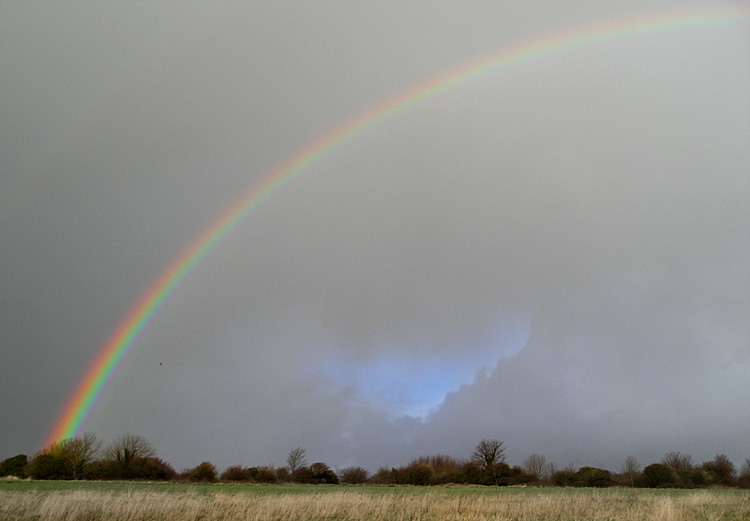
414,380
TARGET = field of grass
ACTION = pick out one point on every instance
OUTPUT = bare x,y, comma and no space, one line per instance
128,501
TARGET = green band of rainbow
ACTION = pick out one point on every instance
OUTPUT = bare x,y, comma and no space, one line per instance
109,358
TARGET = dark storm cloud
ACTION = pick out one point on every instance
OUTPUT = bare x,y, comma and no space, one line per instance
593,204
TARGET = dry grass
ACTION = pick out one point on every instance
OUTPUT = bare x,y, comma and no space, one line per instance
353,504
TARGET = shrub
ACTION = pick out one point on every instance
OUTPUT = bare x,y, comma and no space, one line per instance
744,479
303,475
446,468
690,478
266,475
471,473
153,469
353,475
592,477
658,475
236,473
205,472
721,471
564,477
143,468
517,476
316,473
698,478
416,474
385,476
15,466
323,474
47,466
102,470
626,479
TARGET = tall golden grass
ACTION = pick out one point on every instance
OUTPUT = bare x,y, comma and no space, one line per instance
91,505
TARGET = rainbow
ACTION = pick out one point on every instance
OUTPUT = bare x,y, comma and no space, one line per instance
110,356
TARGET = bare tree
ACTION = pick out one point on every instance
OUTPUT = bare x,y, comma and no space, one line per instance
631,468
536,464
295,460
76,452
678,461
126,449
721,469
488,454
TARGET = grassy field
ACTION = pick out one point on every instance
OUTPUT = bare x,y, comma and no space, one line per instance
127,501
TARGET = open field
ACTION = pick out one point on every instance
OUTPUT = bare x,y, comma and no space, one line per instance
127,501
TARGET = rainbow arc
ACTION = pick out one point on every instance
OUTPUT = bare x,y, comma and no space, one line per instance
110,356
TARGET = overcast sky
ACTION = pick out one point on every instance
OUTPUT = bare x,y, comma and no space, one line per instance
556,256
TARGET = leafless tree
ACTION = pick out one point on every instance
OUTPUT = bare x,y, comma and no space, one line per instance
488,454
721,469
631,468
536,464
127,448
678,461
295,460
76,452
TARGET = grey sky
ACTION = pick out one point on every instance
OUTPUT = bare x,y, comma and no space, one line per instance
556,256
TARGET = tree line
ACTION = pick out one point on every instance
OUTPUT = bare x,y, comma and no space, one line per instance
132,457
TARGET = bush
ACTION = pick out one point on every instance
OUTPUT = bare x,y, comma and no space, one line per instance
15,466
564,477
385,476
266,475
517,476
720,471
47,466
658,475
105,470
416,474
323,474
471,473
627,479
142,468
446,469
205,473
303,475
236,473
316,473
152,469
591,477
690,478
353,475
